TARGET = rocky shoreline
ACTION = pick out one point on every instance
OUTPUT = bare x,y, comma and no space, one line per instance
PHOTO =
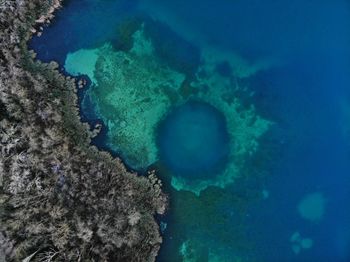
60,197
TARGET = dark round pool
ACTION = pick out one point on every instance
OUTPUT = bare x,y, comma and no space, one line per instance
193,140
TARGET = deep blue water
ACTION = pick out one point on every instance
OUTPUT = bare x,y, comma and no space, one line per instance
316,158
303,93
193,140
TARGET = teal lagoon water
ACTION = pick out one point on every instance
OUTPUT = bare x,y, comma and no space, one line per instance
271,181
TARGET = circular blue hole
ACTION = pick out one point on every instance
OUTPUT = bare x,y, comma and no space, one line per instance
193,140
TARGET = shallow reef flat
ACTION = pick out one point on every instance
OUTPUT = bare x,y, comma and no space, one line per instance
133,91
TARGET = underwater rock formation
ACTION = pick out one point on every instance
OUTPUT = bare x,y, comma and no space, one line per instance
312,207
59,196
299,243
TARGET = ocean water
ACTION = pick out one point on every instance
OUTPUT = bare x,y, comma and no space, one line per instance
242,107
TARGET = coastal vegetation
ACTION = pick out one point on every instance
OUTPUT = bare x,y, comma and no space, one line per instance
61,199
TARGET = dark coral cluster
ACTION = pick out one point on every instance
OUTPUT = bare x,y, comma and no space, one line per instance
60,198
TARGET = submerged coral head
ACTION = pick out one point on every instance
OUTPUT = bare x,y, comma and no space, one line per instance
193,140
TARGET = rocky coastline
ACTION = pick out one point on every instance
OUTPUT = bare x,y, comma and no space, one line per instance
61,198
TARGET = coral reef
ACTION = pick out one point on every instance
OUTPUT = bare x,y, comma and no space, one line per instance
60,198
123,82
144,79
244,125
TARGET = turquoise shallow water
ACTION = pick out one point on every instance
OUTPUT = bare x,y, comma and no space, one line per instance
271,180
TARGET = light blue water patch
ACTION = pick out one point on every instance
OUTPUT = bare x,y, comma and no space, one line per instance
193,140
